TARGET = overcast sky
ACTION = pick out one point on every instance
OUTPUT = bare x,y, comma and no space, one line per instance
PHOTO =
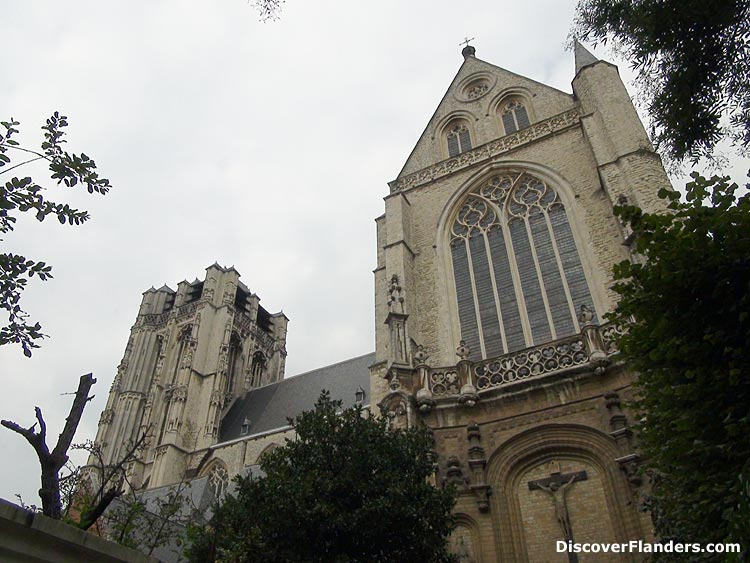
266,146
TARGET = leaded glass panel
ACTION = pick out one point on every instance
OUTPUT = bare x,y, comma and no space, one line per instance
517,272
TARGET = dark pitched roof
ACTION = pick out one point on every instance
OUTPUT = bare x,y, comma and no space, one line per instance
268,408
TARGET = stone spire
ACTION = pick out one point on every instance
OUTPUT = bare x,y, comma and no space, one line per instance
583,57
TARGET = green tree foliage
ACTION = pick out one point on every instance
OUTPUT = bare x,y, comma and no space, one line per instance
346,488
693,63
689,299
21,195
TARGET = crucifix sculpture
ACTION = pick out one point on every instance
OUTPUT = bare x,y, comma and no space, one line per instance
556,486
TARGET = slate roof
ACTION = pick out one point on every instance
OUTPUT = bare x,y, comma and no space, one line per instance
268,407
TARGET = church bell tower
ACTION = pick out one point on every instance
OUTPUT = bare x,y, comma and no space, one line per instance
190,355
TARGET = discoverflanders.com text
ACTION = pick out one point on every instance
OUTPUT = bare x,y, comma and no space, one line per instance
638,546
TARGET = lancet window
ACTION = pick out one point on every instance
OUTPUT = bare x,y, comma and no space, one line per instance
218,480
517,272
234,359
459,139
257,369
515,117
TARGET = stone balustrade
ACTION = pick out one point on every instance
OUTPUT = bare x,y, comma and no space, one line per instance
590,350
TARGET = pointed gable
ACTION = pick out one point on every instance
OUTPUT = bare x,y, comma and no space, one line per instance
470,111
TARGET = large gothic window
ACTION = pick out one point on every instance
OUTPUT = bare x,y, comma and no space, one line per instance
518,276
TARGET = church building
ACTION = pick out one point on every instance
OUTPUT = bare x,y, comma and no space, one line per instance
492,284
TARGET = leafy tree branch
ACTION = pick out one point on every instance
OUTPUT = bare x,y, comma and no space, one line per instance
346,488
22,195
690,345
692,59
53,461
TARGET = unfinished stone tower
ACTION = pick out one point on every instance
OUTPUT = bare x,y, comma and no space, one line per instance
190,355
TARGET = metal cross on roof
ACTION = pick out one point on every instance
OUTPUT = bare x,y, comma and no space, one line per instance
466,41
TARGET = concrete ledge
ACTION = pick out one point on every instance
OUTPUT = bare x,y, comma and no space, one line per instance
27,537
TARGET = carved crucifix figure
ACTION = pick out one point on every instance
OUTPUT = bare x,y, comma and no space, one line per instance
557,485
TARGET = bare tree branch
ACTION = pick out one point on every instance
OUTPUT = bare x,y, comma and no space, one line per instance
110,486
52,463
74,418
88,517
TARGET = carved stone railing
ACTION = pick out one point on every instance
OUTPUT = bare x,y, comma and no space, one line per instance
445,382
242,322
486,151
262,337
532,362
155,319
186,309
591,349
610,332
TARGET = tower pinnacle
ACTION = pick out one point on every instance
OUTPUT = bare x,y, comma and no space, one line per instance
582,56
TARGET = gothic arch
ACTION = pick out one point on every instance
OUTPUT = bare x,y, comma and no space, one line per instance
508,95
397,406
444,126
472,548
570,442
575,220
218,478
267,450
258,365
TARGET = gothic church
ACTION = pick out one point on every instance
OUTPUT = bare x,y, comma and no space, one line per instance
492,282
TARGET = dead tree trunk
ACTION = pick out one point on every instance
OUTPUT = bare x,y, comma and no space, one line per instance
52,462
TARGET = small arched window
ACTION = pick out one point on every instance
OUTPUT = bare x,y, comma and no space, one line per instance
458,139
519,279
514,116
257,369
234,359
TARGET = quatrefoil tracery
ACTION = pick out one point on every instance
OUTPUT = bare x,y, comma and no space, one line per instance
520,195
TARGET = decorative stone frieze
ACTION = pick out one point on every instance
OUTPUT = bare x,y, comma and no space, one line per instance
487,151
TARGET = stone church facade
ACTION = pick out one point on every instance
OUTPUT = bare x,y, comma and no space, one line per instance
492,283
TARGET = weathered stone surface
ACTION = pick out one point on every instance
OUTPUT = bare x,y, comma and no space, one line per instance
28,537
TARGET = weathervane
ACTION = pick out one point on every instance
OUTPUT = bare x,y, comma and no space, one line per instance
466,41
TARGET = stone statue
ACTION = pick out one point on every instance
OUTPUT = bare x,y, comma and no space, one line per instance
557,491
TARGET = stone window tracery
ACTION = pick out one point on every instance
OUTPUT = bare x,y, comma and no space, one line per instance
518,276
458,139
515,116
218,480
257,369
477,89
